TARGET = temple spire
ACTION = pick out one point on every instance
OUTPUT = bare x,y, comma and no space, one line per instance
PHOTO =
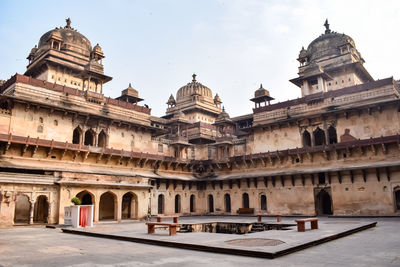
326,24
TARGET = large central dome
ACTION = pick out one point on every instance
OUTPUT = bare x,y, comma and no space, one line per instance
328,45
194,88
71,39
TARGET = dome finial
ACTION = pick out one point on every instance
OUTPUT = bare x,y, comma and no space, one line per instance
261,85
194,77
326,24
68,26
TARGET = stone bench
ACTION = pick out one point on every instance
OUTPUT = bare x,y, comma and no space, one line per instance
301,224
151,226
174,218
278,217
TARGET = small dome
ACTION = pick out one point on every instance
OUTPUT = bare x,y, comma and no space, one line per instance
130,91
71,39
194,88
97,49
303,53
223,115
328,45
217,99
171,100
261,92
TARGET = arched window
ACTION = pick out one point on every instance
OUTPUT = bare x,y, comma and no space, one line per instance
306,138
263,202
227,199
332,135
210,203
89,138
246,202
160,204
192,203
102,139
76,136
319,137
177,204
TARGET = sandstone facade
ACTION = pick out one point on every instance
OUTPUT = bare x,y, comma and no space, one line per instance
333,151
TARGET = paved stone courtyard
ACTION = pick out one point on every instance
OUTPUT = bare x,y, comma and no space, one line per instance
39,246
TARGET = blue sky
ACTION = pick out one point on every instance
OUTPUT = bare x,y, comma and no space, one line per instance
232,45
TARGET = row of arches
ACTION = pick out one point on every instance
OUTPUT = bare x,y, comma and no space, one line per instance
26,211
320,137
89,138
108,205
210,201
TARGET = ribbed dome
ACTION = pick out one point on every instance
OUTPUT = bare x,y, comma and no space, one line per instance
71,39
328,45
194,88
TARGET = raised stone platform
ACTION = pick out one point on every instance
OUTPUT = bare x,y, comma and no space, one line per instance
266,244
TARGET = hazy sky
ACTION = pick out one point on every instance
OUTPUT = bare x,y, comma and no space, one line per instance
232,45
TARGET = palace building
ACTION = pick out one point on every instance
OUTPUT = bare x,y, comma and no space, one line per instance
334,151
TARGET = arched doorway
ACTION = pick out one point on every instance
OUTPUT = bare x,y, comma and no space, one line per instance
210,203
22,209
323,202
319,137
89,138
246,202
192,203
397,198
306,138
227,201
263,202
76,135
129,206
107,206
85,197
102,139
161,204
332,135
41,210
177,204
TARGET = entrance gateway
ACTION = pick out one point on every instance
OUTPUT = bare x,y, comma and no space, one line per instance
323,201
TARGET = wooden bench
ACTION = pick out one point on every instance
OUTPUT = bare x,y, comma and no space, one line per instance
301,224
174,218
245,211
278,217
151,226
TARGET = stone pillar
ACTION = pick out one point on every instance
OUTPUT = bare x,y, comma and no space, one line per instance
118,206
312,138
31,211
306,89
96,208
326,136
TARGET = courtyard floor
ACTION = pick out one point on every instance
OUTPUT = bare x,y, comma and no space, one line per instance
39,246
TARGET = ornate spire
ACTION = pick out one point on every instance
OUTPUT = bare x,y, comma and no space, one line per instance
194,77
68,26
326,24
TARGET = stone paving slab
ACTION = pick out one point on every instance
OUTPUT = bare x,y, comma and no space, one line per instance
329,229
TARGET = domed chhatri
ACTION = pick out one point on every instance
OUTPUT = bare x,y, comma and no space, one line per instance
65,50
319,63
196,101
261,97
192,89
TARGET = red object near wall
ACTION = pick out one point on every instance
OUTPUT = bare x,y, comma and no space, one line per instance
83,215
